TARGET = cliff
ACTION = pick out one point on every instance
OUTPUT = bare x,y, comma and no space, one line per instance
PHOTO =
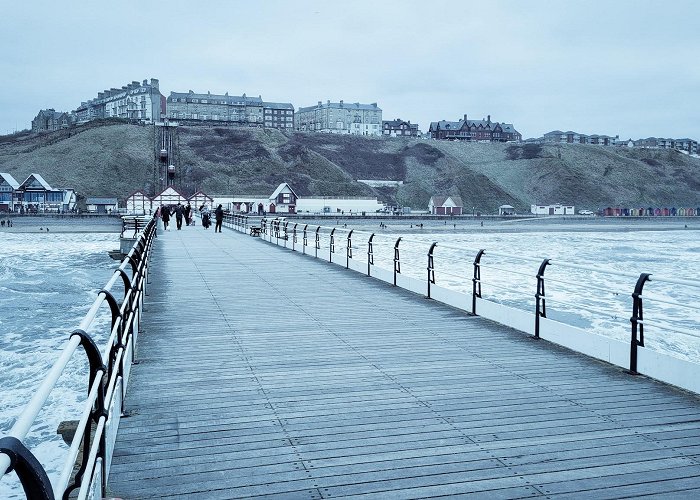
114,159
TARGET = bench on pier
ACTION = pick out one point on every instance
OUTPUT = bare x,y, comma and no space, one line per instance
255,230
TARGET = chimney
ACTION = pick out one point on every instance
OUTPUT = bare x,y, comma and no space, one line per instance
465,117
319,104
374,104
329,102
145,82
208,92
488,118
154,83
341,103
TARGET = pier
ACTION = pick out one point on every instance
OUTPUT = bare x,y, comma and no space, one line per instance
263,372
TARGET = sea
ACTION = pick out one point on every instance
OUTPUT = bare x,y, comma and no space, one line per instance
47,284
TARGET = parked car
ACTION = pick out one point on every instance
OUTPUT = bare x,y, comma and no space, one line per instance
585,212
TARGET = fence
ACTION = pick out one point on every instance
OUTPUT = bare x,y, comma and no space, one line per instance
107,382
540,283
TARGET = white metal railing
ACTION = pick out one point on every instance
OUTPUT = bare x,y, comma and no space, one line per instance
108,374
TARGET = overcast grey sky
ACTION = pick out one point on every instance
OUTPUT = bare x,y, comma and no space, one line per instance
606,67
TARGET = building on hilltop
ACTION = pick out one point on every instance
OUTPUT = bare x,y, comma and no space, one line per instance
399,128
570,137
135,101
340,118
474,130
241,110
49,119
687,145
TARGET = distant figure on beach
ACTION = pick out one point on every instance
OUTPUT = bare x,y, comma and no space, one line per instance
188,214
2,223
219,212
179,212
165,215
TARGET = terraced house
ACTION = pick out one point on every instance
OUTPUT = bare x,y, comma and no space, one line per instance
242,110
134,101
474,130
340,118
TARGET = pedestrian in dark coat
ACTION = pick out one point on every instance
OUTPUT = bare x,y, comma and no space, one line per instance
165,215
219,212
179,212
188,214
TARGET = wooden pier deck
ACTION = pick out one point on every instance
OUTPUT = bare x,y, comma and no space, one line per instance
266,373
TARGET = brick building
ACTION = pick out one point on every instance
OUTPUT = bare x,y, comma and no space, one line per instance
50,119
340,118
570,137
399,128
474,130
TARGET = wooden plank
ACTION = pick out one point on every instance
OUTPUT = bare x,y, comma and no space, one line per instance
265,373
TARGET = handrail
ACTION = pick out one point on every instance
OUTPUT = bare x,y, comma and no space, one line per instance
540,297
106,367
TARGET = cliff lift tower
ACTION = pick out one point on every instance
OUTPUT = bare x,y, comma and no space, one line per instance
166,145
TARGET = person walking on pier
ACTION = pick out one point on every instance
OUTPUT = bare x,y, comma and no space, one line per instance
219,212
188,214
165,215
179,212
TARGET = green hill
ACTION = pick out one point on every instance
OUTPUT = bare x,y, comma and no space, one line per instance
115,159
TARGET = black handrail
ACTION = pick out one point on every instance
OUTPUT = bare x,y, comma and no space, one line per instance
370,254
331,246
540,301
476,280
348,254
431,266
305,241
397,260
318,241
637,320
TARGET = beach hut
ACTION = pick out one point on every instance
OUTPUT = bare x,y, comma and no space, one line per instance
674,212
445,205
666,212
681,212
102,205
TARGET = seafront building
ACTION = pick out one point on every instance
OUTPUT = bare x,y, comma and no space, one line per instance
570,137
340,118
474,130
241,110
34,195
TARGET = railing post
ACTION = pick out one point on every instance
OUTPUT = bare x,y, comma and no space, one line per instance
318,242
32,476
476,281
305,241
331,248
540,305
370,254
397,260
348,255
431,267
637,320
286,233
294,236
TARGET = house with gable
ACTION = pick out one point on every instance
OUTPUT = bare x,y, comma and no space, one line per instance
168,197
283,200
445,205
36,195
8,186
474,130
139,203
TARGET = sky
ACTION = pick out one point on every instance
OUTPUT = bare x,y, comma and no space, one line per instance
627,68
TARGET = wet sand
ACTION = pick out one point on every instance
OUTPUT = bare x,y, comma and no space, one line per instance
61,224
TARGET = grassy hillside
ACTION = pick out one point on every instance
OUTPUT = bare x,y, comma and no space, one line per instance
112,159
